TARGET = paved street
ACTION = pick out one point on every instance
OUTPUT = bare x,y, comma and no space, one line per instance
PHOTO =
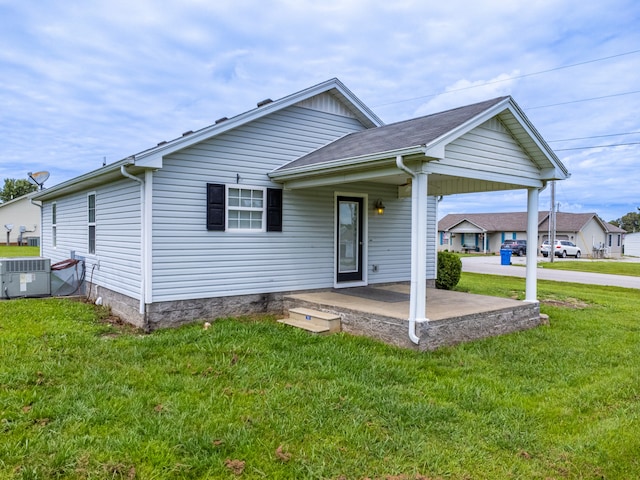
490,264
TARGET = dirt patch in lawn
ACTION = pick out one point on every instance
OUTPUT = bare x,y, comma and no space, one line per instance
572,303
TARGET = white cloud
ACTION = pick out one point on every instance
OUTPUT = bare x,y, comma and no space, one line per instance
86,80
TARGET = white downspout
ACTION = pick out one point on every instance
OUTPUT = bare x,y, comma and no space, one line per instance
41,223
143,269
418,295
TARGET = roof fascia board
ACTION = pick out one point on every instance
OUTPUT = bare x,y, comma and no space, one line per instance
516,111
82,182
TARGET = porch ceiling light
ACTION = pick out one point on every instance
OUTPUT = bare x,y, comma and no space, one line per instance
379,207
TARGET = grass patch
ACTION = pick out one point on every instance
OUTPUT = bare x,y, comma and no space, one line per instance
612,267
15,251
250,398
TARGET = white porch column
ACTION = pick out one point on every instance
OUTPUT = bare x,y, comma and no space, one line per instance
531,294
418,298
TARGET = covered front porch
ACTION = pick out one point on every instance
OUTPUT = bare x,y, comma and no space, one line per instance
381,312
485,147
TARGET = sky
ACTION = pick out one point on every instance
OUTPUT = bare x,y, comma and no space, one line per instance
82,82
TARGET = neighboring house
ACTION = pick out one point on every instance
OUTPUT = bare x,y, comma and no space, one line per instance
485,232
24,219
286,197
632,244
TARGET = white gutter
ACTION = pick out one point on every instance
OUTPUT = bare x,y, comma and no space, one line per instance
344,163
418,295
143,258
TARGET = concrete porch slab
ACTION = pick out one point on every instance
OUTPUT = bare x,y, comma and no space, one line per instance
454,317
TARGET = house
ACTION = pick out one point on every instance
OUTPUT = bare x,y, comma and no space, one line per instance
20,221
308,192
595,237
485,232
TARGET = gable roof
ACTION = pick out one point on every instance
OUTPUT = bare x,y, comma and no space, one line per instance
614,228
416,132
426,136
26,196
152,157
573,222
437,145
490,222
517,221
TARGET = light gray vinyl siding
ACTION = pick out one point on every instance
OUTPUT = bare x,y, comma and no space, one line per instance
116,262
71,228
389,235
118,237
488,152
491,147
191,262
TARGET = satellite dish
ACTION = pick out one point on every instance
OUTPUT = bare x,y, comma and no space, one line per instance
38,178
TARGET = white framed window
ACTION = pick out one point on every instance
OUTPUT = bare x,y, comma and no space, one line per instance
246,208
91,223
54,226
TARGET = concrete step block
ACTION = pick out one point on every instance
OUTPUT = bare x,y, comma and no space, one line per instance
313,320
306,325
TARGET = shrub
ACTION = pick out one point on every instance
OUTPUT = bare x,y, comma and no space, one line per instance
449,270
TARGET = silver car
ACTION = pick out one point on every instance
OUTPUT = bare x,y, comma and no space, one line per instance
562,248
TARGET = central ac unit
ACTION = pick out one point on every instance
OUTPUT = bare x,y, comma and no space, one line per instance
25,277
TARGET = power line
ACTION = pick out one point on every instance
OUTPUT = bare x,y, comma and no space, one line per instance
509,78
596,146
583,100
593,136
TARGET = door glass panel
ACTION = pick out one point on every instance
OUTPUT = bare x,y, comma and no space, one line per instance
348,237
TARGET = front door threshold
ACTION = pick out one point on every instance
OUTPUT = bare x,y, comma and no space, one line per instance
350,284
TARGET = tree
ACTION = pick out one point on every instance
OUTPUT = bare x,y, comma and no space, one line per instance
629,222
14,188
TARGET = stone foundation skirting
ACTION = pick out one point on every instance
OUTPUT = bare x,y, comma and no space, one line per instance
433,334
466,328
180,312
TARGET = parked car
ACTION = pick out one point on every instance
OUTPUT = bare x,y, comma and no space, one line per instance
562,248
517,247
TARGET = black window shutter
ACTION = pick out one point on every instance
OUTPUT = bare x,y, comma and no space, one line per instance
274,210
215,207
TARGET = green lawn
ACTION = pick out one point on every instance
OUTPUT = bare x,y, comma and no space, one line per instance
251,398
614,267
13,251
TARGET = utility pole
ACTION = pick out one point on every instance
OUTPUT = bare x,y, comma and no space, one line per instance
552,223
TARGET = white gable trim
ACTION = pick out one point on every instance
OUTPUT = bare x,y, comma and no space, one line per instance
152,157
511,117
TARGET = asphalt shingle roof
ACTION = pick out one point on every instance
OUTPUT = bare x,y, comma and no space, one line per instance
517,221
